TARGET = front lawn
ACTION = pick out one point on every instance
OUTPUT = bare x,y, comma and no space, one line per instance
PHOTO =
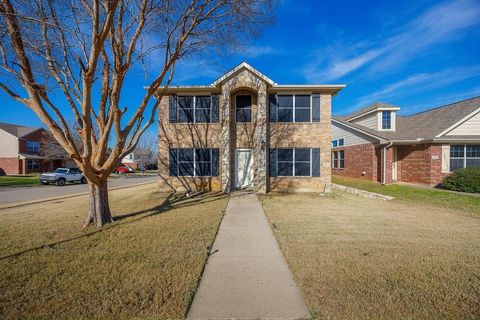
411,193
147,264
356,258
8,181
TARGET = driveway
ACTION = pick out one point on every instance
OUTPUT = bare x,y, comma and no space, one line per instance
21,194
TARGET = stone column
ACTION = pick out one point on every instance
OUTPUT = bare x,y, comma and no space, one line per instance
261,143
225,140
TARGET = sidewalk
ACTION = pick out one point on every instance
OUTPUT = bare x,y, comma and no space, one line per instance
247,277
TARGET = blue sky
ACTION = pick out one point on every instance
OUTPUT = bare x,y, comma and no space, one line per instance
414,54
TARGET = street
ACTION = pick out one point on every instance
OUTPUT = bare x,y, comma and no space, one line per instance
10,195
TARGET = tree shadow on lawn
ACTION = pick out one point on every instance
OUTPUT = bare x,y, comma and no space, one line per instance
172,201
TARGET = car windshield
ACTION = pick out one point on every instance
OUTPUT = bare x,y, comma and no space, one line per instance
61,170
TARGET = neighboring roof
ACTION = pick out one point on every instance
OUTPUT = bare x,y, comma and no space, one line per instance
241,66
16,130
372,107
30,156
425,125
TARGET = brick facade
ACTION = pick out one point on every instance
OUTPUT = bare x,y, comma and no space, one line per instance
10,166
360,162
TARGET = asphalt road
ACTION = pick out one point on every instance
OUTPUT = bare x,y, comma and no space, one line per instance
10,195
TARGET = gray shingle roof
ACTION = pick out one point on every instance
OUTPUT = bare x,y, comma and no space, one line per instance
371,107
16,130
423,125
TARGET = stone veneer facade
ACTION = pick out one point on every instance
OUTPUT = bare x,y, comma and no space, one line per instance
259,135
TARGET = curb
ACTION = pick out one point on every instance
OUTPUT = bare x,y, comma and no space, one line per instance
362,193
26,203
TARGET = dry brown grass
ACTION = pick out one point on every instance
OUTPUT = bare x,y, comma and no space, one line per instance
357,259
147,264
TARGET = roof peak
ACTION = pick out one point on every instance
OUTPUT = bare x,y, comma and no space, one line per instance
243,65
370,108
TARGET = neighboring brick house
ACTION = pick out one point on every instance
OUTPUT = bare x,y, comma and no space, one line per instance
21,151
376,144
246,132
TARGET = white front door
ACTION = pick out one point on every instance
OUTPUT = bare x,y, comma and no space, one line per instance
243,168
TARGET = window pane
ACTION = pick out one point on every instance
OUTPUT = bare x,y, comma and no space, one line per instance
341,142
302,169
285,168
456,164
334,143
285,115
335,159
202,169
285,154
202,115
185,155
202,102
473,163
456,151
302,154
185,115
386,119
244,102
244,115
285,101
341,164
302,101
202,154
185,168
473,151
185,102
302,115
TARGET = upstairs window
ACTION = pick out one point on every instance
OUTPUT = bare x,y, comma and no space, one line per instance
464,156
243,106
386,120
338,142
294,108
33,146
192,109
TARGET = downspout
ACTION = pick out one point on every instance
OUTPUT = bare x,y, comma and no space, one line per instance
384,175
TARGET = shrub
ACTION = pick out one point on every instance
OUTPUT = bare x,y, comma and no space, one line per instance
465,180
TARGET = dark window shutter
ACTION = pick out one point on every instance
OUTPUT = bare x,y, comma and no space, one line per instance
173,162
315,108
273,102
315,162
273,162
172,108
214,108
214,162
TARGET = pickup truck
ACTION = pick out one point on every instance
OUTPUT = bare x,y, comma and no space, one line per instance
63,175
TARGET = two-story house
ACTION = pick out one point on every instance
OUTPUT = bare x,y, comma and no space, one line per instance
375,143
245,131
21,150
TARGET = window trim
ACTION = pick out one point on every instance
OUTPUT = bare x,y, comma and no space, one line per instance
194,163
389,118
464,158
251,107
294,107
194,108
336,160
293,162
338,142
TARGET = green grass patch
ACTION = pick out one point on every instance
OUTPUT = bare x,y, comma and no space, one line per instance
10,181
439,198
146,265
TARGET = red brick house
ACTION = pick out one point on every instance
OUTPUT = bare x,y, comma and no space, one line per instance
376,144
21,151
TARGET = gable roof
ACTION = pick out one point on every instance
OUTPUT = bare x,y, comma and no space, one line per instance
240,67
16,130
425,125
372,107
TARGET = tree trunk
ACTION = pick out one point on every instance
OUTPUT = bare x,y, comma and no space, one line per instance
99,213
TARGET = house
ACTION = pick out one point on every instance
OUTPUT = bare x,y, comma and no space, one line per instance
130,160
245,131
23,150
377,144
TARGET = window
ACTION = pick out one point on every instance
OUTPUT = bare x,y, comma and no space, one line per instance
338,159
338,142
294,108
189,162
243,105
464,156
293,162
386,120
33,146
194,109
33,165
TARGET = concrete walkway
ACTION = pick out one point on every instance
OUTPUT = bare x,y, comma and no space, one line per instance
248,277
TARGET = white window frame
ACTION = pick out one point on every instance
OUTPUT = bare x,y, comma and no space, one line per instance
194,163
338,142
464,158
195,107
293,106
391,119
293,160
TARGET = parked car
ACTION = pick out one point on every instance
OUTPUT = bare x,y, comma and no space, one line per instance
122,168
63,175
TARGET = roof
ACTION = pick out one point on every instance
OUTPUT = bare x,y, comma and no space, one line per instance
30,156
425,125
372,107
242,66
16,130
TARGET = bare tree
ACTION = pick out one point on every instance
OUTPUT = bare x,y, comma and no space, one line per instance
82,51
146,152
